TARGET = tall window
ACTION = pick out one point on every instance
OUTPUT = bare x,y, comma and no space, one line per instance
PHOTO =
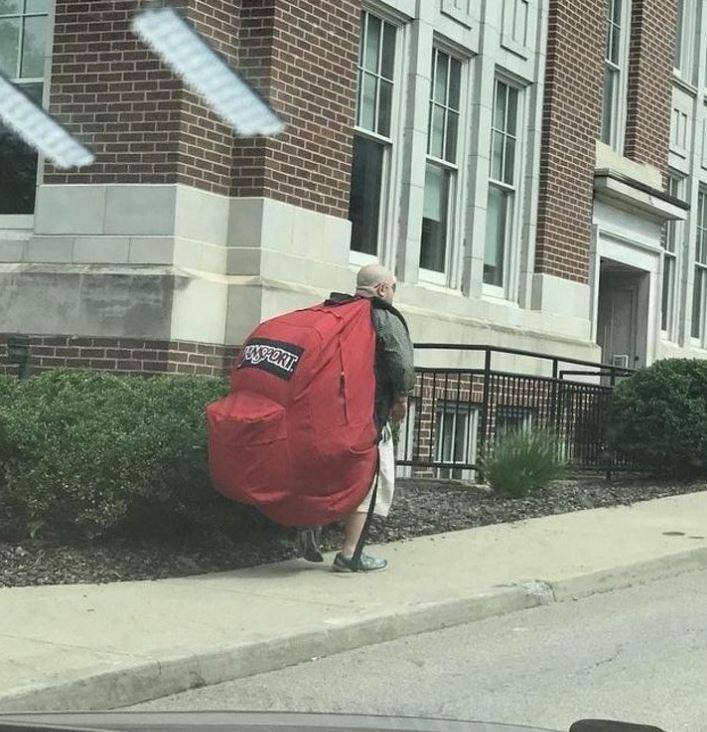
679,36
699,296
373,139
441,170
612,73
502,184
687,39
671,247
23,31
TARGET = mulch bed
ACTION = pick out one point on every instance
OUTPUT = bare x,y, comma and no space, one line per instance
421,507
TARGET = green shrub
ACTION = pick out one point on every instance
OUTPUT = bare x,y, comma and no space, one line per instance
658,417
89,453
522,461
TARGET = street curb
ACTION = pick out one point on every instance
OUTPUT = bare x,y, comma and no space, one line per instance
144,679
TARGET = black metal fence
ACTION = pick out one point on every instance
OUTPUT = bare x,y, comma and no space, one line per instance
455,412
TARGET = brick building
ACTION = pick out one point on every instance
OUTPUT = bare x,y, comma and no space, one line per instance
531,169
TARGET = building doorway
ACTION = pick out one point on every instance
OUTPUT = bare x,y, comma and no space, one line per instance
622,318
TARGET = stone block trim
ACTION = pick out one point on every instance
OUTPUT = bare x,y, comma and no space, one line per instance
143,357
650,82
571,126
145,127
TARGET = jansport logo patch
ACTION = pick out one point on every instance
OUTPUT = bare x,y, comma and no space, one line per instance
276,357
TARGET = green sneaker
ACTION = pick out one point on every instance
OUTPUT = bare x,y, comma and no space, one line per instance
366,563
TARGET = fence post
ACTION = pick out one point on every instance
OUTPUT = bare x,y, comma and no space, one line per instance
485,400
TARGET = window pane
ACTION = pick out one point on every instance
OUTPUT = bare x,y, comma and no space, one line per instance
511,124
609,34
434,221
18,163
499,114
437,132
608,111
455,84
9,46
364,203
452,132
667,295
460,441
367,113
9,6
36,6
510,162
33,45
614,55
373,37
497,156
495,237
388,61
617,12
441,78
385,106
697,301
679,34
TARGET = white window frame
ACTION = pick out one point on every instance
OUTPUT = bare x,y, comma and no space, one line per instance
390,178
677,185
406,439
700,269
451,277
512,244
470,415
617,132
26,221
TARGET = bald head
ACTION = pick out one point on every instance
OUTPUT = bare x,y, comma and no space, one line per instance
374,280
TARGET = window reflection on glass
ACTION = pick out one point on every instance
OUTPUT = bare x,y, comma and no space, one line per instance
23,34
374,118
496,228
504,141
364,203
9,46
669,242
445,99
18,163
33,41
10,7
433,246
375,77
699,294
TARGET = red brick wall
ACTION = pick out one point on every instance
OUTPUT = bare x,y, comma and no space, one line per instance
571,125
650,81
109,90
123,355
304,55
146,128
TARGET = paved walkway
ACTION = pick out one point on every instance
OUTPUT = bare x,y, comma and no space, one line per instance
107,646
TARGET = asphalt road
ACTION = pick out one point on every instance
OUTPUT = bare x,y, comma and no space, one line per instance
639,655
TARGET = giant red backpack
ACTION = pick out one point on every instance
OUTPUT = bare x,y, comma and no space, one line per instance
296,435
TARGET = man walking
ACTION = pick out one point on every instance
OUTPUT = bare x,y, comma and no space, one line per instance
395,379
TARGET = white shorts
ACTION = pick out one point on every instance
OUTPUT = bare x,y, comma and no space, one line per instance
386,477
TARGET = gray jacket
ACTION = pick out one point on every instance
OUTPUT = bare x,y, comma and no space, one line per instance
395,364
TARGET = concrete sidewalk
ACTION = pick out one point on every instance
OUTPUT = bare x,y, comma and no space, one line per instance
103,647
